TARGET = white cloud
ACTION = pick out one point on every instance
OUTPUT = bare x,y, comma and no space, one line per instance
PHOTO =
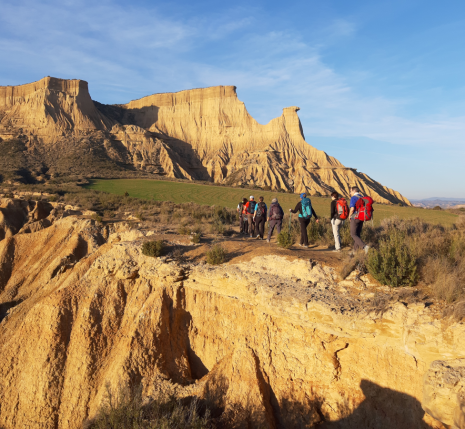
128,52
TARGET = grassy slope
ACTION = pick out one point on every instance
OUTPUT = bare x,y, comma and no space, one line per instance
179,192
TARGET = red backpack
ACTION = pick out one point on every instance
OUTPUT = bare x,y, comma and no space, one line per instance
364,208
342,209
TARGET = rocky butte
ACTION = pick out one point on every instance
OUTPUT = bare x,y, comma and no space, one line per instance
200,134
81,309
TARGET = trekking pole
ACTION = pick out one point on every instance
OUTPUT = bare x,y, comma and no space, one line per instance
290,220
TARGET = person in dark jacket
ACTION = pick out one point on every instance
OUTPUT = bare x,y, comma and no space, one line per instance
336,223
305,210
259,218
275,218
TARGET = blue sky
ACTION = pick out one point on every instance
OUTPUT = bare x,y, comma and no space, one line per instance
381,85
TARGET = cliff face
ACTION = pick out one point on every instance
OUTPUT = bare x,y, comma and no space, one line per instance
235,149
49,108
286,341
204,134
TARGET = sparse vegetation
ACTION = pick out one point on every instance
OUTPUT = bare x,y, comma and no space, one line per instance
97,218
125,409
196,238
216,255
153,248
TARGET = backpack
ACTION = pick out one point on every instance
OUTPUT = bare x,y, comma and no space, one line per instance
342,209
260,209
364,208
306,209
251,207
276,212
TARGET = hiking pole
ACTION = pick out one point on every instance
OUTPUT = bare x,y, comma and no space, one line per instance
290,220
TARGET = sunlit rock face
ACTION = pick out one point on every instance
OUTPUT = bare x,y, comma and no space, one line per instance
288,343
199,134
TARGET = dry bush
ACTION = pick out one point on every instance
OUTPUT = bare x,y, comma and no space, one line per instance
126,409
460,224
353,262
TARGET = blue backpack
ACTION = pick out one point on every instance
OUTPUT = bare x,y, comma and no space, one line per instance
306,209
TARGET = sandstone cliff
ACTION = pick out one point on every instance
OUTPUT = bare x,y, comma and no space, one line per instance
200,134
285,340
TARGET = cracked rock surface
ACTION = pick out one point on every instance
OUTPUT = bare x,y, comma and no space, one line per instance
286,341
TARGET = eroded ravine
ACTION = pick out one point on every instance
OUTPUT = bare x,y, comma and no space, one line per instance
285,340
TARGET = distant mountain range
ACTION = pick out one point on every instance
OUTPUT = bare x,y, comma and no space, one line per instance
439,201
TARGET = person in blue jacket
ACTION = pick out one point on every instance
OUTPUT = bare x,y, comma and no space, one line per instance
305,210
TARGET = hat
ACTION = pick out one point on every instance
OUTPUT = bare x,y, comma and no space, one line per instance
274,200
303,195
251,197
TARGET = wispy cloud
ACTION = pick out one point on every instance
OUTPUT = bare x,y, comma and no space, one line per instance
128,52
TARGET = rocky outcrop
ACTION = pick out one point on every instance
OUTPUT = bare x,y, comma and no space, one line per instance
286,343
235,149
48,109
200,134
444,392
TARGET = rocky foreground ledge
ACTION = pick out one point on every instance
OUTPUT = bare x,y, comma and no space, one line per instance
81,308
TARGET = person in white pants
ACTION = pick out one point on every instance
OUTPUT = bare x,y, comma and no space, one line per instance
336,222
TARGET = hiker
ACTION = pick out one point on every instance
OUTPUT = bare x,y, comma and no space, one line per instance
305,210
360,210
339,213
250,211
243,221
259,218
275,218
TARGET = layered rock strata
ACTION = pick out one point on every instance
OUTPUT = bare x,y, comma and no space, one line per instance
285,341
200,134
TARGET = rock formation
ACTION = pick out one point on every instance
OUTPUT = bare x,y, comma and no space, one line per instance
296,347
200,134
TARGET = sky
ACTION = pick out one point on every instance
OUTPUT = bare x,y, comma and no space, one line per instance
380,84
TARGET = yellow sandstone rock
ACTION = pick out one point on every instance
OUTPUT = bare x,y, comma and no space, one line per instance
203,134
278,340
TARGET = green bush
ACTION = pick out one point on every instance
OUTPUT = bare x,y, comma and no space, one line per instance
285,239
394,264
216,255
153,248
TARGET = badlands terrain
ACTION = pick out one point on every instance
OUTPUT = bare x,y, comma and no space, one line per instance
272,338
52,129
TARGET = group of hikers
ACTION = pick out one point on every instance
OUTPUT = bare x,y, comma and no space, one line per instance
254,214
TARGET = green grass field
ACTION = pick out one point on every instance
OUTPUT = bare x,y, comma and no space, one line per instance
179,192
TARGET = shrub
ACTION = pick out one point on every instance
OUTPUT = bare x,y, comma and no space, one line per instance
354,262
218,227
216,255
437,208
126,409
126,194
196,237
140,216
394,263
184,230
97,218
285,239
153,248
